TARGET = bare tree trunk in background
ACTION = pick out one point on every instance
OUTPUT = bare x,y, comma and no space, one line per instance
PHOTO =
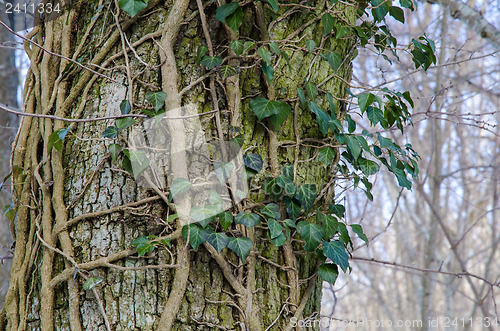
8,125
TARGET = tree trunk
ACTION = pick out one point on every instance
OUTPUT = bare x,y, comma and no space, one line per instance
78,211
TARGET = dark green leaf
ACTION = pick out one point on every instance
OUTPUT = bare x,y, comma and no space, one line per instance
365,100
358,229
242,246
202,50
56,139
302,96
140,241
237,47
271,210
287,171
195,233
253,161
157,99
306,194
278,119
211,61
125,107
330,224
353,146
328,272
224,11
335,251
287,184
268,71
138,162
311,90
368,167
247,219
333,58
133,7
218,240
264,108
290,223
265,55
311,233
225,220
274,4
275,48
351,125
328,22
227,71
92,282
143,249
275,228
338,210
397,13
235,19
272,188
279,240
292,207
326,155
344,234
375,115
179,186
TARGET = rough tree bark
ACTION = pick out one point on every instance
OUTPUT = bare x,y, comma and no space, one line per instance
78,211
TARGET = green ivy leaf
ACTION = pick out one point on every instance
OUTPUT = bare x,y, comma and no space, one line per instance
338,210
344,234
133,7
287,171
375,115
236,46
358,229
365,100
397,13
264,108
335,251
224,11
202,50
328,22
278,119
311,90
218,240
302,96
328,272
179,186
292,207
247,219
125,107
124,123
287,184
211,61
195,234
242,246
268,71
306,194
225,220
157,99
114,150
326,155
223,170
330,224
279,240
272,188
368,167
311,233
9,211
144,249
275,228
265,55
92,282
353,146
235,19
253,161
275,48
271,210
203,214
226,71
274,4
138,162
333,58
56,139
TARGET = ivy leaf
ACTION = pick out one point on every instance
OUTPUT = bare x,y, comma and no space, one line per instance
344,234
133,7
114,150
271,210
203,214
265,55
224,11
330,224
311,45
56,139
253,161
287,184
218,240
306,194
241,246
223,170
264,108
326,155
328,22
287,171
211,61
292,208
333,58
195,233
157,99
358,229
125,107
202,50
92,282
338,210
328,272
225,220
235,19
227,71
268,71
272,188
247,219
365,100
311,90
9,211
124,123
274,4
138,162
353,146
311,233
278,119
397,13
236,46
335,251
275,48
279,240
302,96
368,167
179,186
275,228
375,115
144,249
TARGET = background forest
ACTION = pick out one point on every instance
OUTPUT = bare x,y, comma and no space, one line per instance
434,251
